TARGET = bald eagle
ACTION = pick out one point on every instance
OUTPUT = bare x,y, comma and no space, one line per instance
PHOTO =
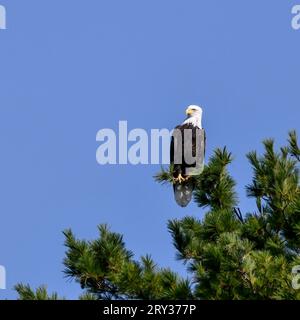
187,151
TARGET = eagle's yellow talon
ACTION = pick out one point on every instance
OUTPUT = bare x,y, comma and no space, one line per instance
179,179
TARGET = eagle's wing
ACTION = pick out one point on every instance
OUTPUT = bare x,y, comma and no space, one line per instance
196,143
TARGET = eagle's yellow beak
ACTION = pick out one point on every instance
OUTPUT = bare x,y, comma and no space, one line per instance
188,112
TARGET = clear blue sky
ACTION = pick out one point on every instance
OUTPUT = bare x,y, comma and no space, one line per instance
69,68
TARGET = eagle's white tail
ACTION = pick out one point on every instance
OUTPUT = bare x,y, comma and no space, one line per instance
183,193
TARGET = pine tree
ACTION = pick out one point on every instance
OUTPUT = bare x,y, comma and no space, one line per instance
228,254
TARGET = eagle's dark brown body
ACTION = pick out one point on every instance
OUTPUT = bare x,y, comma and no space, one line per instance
187,151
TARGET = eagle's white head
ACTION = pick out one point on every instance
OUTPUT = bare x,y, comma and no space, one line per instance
194,116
